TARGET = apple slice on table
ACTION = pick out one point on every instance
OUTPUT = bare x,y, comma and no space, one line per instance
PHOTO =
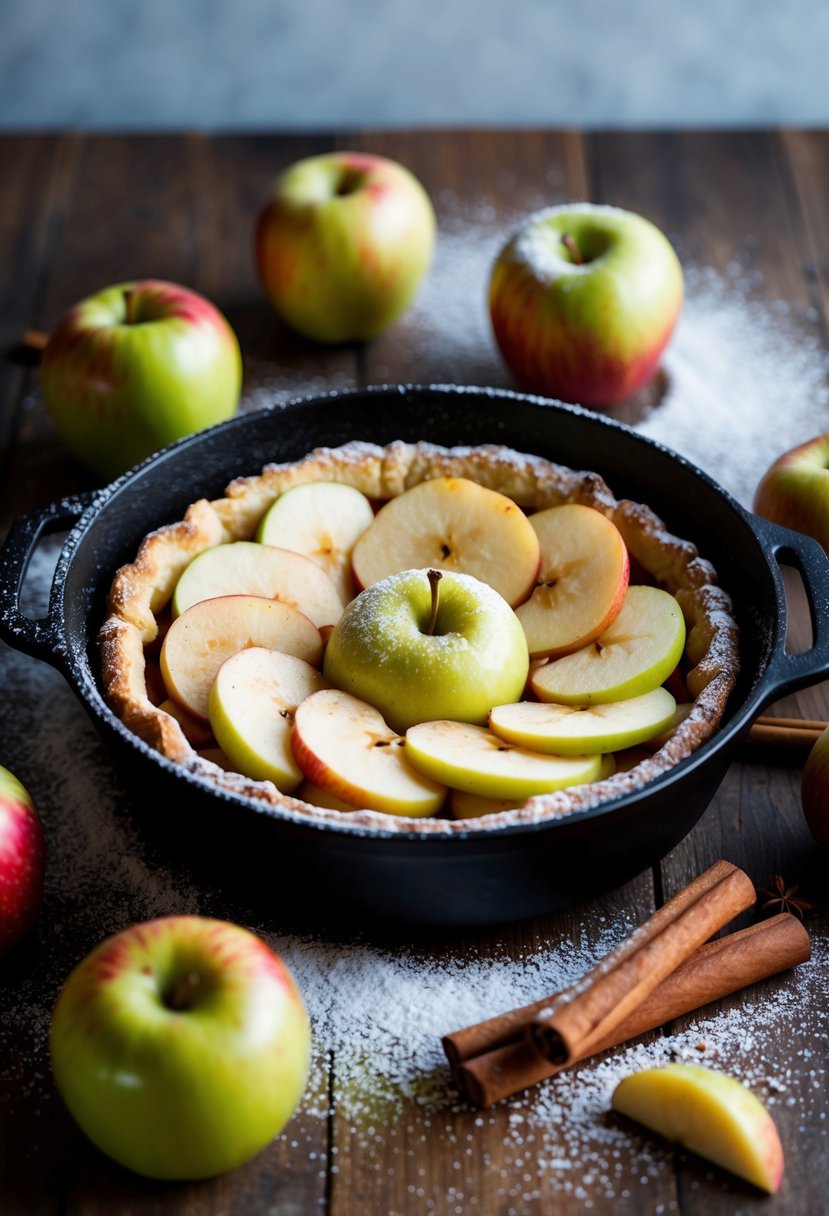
323,520
251,707
344,746
473,759
451,523
200,640
581,581
709,1113
639,650
247,568
571,730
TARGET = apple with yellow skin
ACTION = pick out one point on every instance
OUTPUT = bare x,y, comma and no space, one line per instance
343,244
583,301
794,491
709,1113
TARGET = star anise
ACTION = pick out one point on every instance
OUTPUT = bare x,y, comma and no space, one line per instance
784,898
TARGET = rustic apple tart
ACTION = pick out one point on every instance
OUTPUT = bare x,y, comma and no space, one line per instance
174,593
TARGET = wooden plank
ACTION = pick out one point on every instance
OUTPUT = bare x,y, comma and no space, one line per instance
705,190
458,1159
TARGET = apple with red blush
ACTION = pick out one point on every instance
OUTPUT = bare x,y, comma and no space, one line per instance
583,300
135,367
794,490
343,244
22,861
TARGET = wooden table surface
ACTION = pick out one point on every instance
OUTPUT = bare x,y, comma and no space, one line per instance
77,213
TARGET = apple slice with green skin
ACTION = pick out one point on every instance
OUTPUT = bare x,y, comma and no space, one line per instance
247,568
473,759
323,520
344,746
709,1113
204,636
638,651
251,708
451,523
581,581
571,730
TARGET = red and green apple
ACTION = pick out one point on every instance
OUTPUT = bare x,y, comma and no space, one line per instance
794,491
135,367
583,301
22,861
343,244
181,1046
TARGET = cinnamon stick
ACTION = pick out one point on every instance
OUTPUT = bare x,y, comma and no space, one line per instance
503,1062
574,1023
815,724
795,738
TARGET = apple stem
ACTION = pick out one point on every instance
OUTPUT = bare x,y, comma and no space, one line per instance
180,996
129,296
434,577
569,243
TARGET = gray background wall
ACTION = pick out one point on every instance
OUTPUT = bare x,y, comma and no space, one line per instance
321,63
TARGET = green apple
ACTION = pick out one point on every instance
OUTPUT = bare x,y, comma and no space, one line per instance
709,1113
136,366
251,709
181,1046
794,491
418,646
583,301
633,656
323,520
22,861
346,749
343,244
814,790
573,730
469,758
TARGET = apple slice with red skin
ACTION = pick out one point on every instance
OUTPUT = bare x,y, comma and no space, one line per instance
247,568
451,523
204,636
470,758
709,1113
344,746
581,581
323,520
22,861
252,705
634,655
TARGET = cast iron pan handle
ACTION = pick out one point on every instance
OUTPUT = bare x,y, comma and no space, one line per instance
39,637
788,672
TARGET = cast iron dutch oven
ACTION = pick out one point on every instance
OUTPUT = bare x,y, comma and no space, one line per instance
503,874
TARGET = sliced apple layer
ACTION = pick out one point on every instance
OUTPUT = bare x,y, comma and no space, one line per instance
345,747
581,581
571,730
323,520
246,568
639,650
462,805
454,524
709,1113
317,796
252,705
471,758
204,636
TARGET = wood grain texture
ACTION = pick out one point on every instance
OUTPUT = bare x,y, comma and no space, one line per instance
81,212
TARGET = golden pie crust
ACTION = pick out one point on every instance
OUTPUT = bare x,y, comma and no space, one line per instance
143,589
